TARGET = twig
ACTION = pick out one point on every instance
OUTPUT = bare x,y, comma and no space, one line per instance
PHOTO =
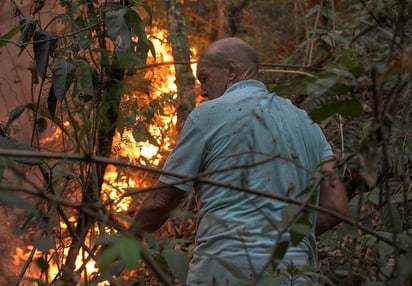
199,178
288,72
333,22
312,43
25,266
342,140
293,67
286,227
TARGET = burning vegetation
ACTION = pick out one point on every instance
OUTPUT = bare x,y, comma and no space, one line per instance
144,136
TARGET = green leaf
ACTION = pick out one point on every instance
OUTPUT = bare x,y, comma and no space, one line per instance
289,212
136,24
4,38
391,218
353,207
121,26
41,124
400,198
298,232
84,79
44,44
292,86
129,252
300,228
27,29
177,263
15,113
280,251
44,244
384,250
125,249
106,258
107,239
146,7
128,60
9,144
344,273
4,163
11,199
337,89
405,268
350,108
160,261
404,239
374,196
52,102
350,62
63,74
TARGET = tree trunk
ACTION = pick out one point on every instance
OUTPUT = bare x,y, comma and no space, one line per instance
185,81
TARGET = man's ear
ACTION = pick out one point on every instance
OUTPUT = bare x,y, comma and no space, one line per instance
232,69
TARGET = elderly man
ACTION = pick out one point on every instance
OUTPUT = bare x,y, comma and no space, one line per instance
244,137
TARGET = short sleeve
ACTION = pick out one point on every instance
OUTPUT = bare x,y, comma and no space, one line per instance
325,148
187,156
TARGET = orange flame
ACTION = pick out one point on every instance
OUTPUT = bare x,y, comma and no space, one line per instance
117,181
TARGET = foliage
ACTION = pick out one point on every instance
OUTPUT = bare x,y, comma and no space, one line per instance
366,82
359,57
83,75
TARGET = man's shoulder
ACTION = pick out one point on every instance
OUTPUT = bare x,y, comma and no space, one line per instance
208,107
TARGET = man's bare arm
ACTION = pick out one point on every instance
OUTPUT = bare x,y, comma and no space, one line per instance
332,196
156,208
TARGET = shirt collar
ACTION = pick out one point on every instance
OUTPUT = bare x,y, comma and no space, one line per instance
245,84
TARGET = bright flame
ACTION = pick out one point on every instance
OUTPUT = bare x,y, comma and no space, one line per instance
117,180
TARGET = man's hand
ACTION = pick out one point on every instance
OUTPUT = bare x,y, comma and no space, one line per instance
156,208
332,196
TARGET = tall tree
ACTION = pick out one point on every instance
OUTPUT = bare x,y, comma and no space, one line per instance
185,81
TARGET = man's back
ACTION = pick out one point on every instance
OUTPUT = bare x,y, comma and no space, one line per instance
252,139
247,138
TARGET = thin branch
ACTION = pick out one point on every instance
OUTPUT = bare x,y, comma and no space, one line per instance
312,43
185,178
25,266
294,67
46,40
288,72
286,227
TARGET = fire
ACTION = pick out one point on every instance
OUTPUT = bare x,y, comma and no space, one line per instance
118,180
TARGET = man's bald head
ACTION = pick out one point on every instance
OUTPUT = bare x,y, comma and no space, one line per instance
233,50
224,63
